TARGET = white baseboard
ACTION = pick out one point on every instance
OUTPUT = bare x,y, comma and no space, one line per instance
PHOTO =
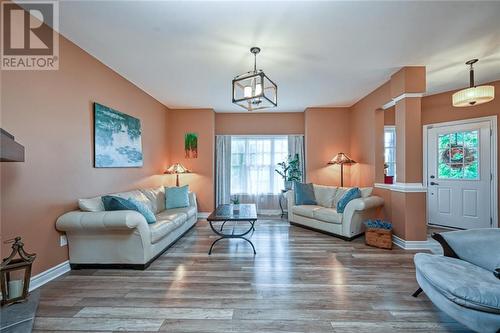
412,245
203,215
49,275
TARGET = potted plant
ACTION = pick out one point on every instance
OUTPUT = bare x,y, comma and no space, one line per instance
290,171
236,204
387,179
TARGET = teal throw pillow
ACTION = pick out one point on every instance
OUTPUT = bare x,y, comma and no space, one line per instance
142,208
350,194
304,194
112,202
176,197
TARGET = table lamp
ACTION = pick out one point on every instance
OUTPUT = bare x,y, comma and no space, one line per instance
177,169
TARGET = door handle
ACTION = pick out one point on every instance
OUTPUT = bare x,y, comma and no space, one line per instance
434,183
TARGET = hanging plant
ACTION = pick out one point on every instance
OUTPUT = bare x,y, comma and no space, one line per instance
457,156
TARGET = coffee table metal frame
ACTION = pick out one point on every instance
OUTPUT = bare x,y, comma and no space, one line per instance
231,234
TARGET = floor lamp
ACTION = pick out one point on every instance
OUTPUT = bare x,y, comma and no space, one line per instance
176,169
341,159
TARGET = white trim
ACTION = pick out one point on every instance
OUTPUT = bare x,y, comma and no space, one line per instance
493,158
203,215
393,101
403,187
411,245
40,279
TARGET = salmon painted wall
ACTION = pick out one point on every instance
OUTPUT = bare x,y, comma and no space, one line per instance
51,114
201,181
259,123
326,134
366,137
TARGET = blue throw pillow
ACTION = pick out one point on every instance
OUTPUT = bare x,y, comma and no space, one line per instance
112,202
176,197
142,208
350,194
304,194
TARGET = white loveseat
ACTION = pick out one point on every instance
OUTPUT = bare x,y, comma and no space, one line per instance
323,217
123,239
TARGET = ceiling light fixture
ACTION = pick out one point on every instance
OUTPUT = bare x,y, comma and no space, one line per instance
254,90
473,95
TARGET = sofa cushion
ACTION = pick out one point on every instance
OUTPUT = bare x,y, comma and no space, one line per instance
304,194
461,282
189,211
327,215
166,222
136,194
112,203
366,191
305,210
156,197
338,194
144,209
91,204
324,195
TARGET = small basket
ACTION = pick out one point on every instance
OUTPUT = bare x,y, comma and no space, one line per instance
378,234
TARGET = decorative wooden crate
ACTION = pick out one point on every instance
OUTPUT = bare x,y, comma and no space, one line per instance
381,238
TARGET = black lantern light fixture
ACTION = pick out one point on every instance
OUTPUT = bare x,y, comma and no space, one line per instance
14,289
254,90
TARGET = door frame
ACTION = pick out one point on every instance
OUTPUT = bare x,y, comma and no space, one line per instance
493,157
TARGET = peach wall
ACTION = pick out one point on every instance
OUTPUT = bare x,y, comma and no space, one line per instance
390,117
201,181
50,113
366,137
326,134
259,123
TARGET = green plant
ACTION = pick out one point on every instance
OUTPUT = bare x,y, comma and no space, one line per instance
290,169
235,200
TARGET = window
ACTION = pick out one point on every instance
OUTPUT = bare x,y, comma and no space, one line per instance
253,160
458,155
390,149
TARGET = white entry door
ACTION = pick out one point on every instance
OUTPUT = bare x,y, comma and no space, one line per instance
459,175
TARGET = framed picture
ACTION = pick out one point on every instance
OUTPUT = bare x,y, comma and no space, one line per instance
191,145
117,139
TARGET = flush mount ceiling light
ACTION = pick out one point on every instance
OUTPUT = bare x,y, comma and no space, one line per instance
473,95
254,90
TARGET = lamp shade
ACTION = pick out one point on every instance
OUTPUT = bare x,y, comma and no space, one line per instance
341,158
177,168
473,96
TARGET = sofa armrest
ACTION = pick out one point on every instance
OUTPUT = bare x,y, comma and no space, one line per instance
364,203
357,211
192,200
94,221
480,247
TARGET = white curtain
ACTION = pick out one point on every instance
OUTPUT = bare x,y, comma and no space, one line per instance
296,147
222,169
245,168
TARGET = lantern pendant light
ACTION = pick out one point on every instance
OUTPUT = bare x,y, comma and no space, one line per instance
474,95
254,90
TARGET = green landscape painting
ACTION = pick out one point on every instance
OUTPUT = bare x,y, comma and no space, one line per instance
117,139
191,145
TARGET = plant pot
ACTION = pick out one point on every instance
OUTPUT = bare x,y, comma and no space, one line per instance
389,179
288,185
236,209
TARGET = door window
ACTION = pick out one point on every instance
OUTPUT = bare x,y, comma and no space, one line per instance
458,155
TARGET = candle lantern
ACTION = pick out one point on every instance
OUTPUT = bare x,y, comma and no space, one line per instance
15,274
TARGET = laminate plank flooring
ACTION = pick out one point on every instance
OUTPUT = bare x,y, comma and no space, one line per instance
299,281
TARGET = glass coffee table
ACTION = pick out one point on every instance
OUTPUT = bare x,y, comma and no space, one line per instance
238,214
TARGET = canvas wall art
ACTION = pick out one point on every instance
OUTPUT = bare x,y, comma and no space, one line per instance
117,139
191,145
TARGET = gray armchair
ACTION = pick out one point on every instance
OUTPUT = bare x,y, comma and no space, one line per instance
463,283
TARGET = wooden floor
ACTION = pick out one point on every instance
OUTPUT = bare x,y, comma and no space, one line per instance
299,281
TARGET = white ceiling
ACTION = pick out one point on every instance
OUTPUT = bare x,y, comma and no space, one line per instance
185,54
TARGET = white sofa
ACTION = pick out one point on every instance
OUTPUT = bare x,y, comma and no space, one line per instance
123,239
323,217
